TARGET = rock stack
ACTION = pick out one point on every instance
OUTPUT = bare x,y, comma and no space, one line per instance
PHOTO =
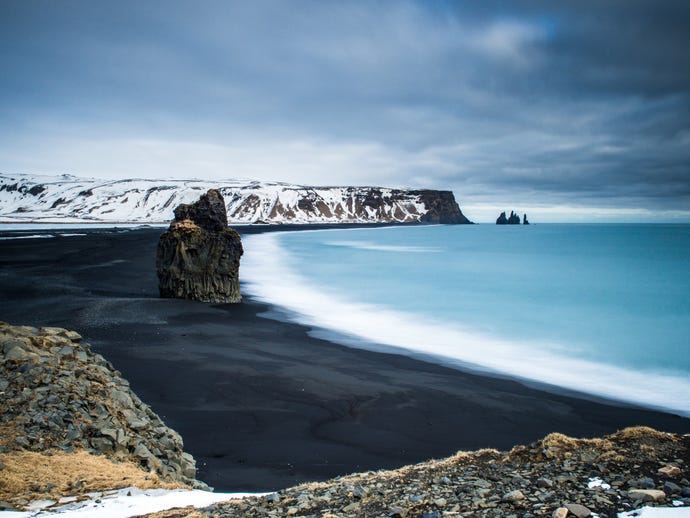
199,256
514,219
57,394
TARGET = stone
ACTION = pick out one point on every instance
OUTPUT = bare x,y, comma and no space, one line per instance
671,489
101,444
578,510
644,483
37,505
188,466
198,256
647,495
670,471
10,343
17,354
72,335
544,482
351,508
561,512
513,496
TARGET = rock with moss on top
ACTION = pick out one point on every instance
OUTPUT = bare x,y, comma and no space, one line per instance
198,256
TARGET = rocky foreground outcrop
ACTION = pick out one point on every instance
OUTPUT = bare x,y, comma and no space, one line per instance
198,257
56,395
555,477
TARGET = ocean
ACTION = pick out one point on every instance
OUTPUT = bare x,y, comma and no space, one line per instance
599,309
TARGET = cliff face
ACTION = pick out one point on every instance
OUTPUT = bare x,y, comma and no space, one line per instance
198,257
67,198
441,208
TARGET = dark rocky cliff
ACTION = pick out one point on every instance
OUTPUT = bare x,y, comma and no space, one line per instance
442,208
199,256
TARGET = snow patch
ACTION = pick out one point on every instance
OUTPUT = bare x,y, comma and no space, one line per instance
129,501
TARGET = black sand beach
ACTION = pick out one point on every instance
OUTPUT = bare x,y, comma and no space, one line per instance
260,404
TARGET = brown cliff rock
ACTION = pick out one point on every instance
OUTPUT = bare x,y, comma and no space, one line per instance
199,256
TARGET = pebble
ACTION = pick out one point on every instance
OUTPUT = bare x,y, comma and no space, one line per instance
670,471
648,495
544,482
671,488
513,496
578,510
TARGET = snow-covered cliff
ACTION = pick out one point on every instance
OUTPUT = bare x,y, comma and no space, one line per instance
67,198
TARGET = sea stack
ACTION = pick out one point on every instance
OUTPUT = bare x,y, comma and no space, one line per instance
199,256
514,219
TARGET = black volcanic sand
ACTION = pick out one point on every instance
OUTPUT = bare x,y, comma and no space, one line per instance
260,404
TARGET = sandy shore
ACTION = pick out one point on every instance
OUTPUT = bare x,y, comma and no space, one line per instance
261,404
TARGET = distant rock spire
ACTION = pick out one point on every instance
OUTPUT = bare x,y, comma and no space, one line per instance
514,219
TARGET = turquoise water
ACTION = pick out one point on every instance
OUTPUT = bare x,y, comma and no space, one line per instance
603,309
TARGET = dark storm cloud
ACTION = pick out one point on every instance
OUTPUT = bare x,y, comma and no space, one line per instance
536,101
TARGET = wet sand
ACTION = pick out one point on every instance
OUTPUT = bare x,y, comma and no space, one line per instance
260,403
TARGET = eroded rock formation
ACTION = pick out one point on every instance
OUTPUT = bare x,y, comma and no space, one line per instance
199,256
514,219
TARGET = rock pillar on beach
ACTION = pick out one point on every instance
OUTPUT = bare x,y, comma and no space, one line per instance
199,256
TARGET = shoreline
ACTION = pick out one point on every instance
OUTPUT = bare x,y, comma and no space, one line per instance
260,403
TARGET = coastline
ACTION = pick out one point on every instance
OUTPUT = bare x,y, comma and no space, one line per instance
262,404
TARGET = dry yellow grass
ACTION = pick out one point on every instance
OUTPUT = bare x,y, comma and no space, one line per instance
186,512
53,474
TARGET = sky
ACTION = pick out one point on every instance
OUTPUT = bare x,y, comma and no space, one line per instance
567,110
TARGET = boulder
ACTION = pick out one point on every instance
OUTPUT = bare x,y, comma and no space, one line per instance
199,256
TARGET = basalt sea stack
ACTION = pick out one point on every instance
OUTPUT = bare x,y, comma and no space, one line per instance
199,256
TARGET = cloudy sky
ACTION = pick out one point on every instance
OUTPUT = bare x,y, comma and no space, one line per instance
575,110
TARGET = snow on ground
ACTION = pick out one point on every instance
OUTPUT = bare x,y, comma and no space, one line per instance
657,512
126,502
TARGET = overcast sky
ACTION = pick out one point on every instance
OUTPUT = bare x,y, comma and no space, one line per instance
574,110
